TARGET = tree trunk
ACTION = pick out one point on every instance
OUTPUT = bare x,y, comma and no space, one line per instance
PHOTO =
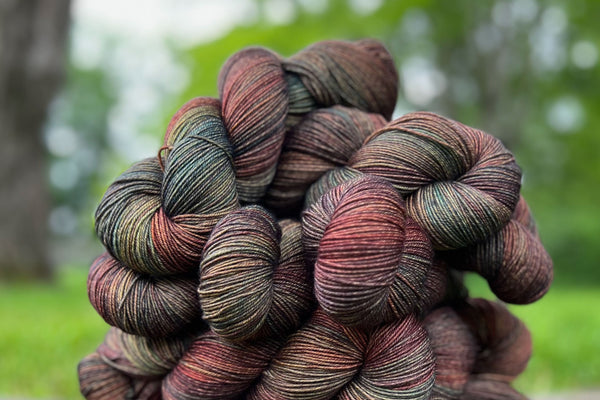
33,36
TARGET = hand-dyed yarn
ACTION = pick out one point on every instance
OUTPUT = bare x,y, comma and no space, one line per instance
157,221
323,140
455,349
253,280
479,348
324,360
370,260
514,261
216,368
141,356
361,75
461,185
141,304
100,381
340,304
505,339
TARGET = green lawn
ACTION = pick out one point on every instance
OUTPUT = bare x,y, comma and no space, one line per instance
45,330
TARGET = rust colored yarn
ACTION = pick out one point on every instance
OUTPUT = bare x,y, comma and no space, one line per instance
253,281
141,304
215,368
370,260
479,348
324,360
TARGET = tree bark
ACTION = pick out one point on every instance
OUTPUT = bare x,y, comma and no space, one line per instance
33,37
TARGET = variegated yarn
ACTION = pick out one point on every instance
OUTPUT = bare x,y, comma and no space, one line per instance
288,241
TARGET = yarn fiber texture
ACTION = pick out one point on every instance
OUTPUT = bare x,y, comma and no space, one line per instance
289,241
479,347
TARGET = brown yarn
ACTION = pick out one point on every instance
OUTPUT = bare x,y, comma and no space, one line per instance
370,260
253,280
323,140
140,304
514,261
324,360
479,348
100,381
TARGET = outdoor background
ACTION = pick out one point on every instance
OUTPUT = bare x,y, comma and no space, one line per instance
526,71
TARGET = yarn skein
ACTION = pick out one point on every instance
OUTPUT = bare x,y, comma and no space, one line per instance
324,359
513,261
370,260
455,349
253,280
100,381
324,139
479,348
140,304
141,356
216,368
157,222
460,184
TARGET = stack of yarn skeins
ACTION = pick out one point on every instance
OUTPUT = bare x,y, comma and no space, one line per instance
289,241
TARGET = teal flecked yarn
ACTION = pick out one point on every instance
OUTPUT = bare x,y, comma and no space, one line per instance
140,304
155,218
460,184
218,285
253,280
141,356
157,221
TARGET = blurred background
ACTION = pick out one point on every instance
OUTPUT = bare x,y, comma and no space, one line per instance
87,88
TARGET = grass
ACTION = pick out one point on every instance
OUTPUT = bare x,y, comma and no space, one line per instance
45,330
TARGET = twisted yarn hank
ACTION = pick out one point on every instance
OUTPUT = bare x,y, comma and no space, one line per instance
479,347
324,359
253,281
141,304
356,296
370,259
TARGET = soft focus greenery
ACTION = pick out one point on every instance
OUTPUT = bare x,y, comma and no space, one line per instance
510,67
